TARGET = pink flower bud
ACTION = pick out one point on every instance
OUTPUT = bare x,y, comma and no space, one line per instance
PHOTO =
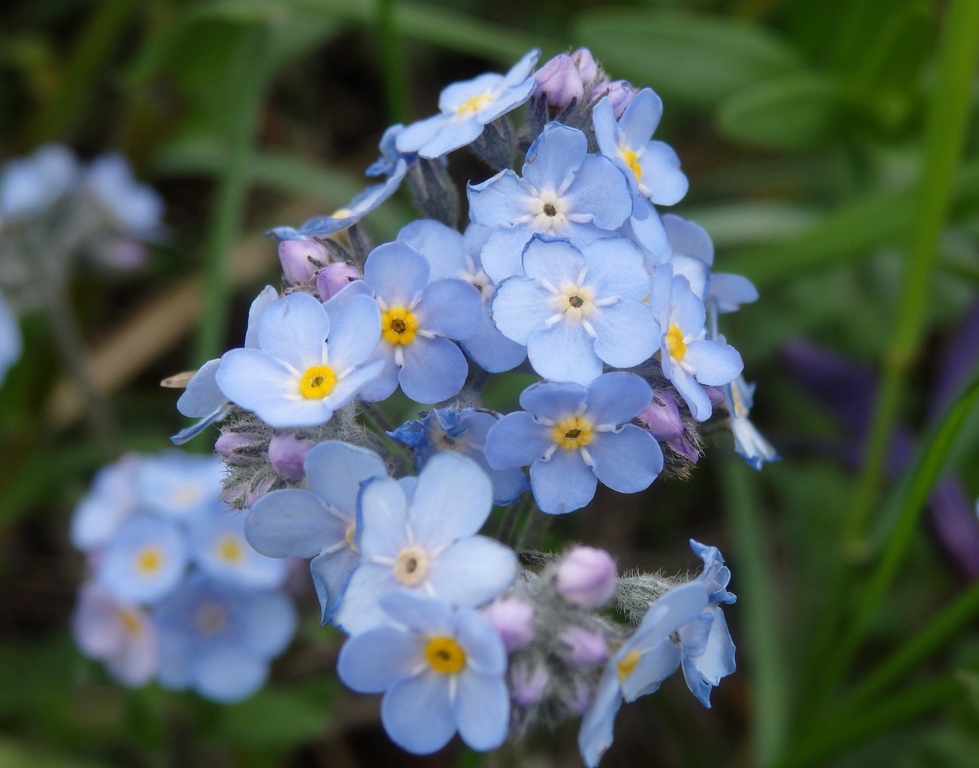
560,81
619,92
583,648
715,395
257,491
287,454
229,443
513,620
586,577
682,446
335,276
661,418
527,686
585,64
300,259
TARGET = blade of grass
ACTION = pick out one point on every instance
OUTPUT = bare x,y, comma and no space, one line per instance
392,62
758,602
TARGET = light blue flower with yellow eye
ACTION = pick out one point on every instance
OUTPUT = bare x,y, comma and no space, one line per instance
305,367
426,541
564,193
440,671
144,560
179,485
218,639
467,108
577,309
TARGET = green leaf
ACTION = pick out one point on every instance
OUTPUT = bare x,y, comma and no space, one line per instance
14,755
699,60
276,719
744,223
797,111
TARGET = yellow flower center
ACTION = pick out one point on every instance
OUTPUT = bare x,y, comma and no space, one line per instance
675,344
632,160
576,300
627,665
572,433
445,655
317,382
349,535
473,104
130,621
149,560
411,566
230,550
398,326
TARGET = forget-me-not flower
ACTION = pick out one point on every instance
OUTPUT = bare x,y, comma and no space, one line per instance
453,255
134,208
111,498
573,436
144,560
576,309
319,523
440,672
418,316
463,431
218,639
467,108
178,485
749,443
28,185
564,192
305,367
426,542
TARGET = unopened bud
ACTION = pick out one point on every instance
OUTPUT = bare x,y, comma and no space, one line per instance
661,418
583,648
334,277
683,446
287,454
528,685
257,491
620,93
229,444
559,80
586,577
300,259
513,620
715,395
585,64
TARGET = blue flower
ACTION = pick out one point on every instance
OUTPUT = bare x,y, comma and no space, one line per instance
688,358
572,436
319,523
577,309
111,499
134,208
218,639
387,163
564,192
440,672
463,431
296,378
453,255
651,167
145,559
640,666
28,185
417,319
10,343
690,253
118,633
749,443
177,485
426,542
203,398
467,107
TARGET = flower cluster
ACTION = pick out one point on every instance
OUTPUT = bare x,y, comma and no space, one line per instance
567,270
175,591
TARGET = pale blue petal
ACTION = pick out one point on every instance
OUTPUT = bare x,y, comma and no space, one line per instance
441,245
696,272
383,513
397,273
473,571
417,713
452,135
693,393
418,612
434,370
482,710
359,608
228,675
490,349
606,129
374,661
269,622
251,378
616,269
689,238
338,302
352,384
186,434
641,117
617,398
626,461
649,233
661,174
656,663
386,381
522,69
417,135
556,261
554,400
451,308
598,724
564,352
729,292
330,573
563,483
119,570
499,201
628,333
502,254
453,498
517,441
485,653
520,307
335,471
202,395
292,523
717,660
355,334
714,363
688,310
265,299
294,330
455,95
554,157
512,98
601,189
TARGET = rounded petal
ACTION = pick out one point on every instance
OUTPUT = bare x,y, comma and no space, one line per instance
729,292
641,117
490,349
397,273
714,363
355,333
228,675
520,308
441,245
556,261
453,498
606,129
330,572
360,608
335,471
564,352
617,398
616,269
656,663
601,189
372,662
382,517
417,713
450,308
598,724
554,400
661,174
202,395
517,441
453,134
292,523
434,370
627,333
627,461
502,253
500,201
689,238
418,612
269,622
294,330
473,571
482,710
485,652
563,483
554,157
418,134
693,393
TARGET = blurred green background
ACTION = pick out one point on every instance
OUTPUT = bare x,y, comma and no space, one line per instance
833,156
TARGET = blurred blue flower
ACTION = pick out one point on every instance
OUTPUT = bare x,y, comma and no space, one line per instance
749,443
218,639
418,317
134,208
179,485
573,436
303,369
426,542
564,192
144,560
30,184
576,309
319,523
463,431
440,672
112,497
467,107
10,343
